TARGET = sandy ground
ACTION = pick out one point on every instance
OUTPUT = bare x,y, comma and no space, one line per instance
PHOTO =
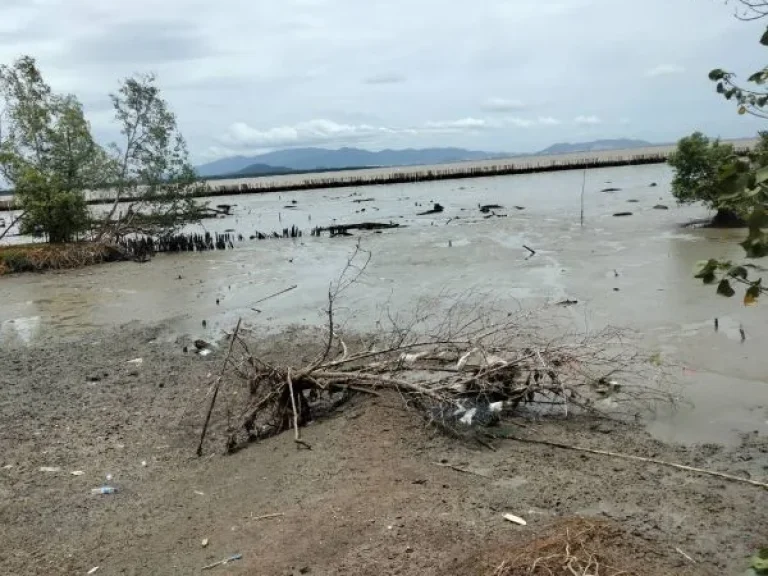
368,498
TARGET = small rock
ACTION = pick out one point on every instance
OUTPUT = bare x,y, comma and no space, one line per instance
408,549
620,214
94,378
660,207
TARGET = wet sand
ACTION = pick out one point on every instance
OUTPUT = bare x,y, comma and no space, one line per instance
452,252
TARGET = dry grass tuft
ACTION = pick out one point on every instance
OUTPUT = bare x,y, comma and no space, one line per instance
586,547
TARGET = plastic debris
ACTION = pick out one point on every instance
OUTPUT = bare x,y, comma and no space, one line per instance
144,463
515,519
204,543
77,473
199,493
137,361
104,490
50,469
93,570
223,562
204,352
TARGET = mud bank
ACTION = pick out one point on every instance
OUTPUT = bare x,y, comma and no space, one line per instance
367,499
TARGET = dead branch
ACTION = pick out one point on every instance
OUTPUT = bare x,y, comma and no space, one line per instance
12,224
641,459
216,386
460,364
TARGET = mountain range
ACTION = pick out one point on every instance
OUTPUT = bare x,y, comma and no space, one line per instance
311,159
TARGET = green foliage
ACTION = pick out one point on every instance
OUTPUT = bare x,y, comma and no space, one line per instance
151,166
46,153
711,271
759,562
706,171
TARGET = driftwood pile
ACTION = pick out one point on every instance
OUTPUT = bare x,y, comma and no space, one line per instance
458,366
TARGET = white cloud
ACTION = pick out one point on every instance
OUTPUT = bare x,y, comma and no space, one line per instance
587,120
519,122
502,105
462,124
664,70
241,134
548,121
321,131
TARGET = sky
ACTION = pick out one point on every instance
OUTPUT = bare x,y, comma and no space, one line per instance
497,75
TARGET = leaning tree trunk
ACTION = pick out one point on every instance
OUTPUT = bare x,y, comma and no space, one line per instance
726,218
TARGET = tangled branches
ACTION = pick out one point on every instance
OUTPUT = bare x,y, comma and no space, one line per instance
460,363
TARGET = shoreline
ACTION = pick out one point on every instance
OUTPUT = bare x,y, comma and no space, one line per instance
402,175
139,421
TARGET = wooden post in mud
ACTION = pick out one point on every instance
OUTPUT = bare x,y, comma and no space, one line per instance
583,185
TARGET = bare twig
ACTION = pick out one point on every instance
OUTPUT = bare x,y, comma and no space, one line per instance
460,469
266,516
642,459
12,224
216,386
275,294
297,434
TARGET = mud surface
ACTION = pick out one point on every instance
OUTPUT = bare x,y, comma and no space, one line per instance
633,272
367,499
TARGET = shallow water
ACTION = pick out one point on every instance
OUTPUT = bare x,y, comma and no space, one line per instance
648,257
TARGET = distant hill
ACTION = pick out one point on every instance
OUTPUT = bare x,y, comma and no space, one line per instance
262,170
323,159
594,146
304,159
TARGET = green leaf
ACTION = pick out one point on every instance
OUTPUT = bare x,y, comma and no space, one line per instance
717,74
725,288
738,272
760,561
706,271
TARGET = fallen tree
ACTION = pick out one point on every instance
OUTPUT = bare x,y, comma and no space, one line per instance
456,363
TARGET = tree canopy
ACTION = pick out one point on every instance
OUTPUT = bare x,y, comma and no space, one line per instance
715,174
47,153
50,158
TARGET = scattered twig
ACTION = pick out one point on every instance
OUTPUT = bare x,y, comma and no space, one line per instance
273,295
641,459
216,386
266,516
223,562
531,250
462,470
684,555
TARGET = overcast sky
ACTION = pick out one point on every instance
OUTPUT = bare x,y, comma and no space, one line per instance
514,75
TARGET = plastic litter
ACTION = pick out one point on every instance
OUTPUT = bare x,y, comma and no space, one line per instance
93,570
77,473
515,519
104,490
50,469
137,361
223,562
